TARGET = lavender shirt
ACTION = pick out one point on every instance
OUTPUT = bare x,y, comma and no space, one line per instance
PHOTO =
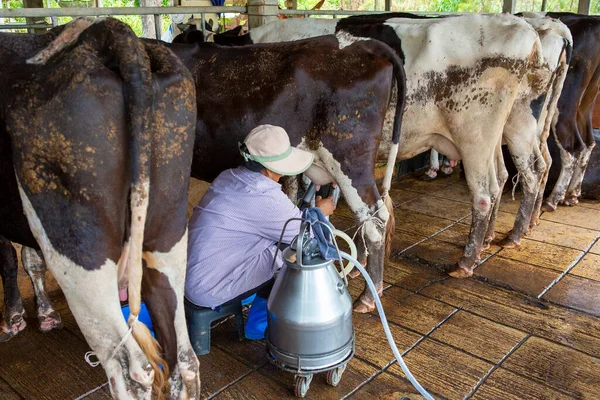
233,235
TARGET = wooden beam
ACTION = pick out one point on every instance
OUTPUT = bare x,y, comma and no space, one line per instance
508,6
34,4
388,5
584,7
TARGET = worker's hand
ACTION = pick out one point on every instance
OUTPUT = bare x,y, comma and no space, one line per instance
326,205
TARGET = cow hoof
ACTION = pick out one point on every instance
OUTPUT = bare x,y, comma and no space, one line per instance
460,272
363,306
15,325
49,321
130,380
509,243
570,201
189,370
548,207
429,175
447,170
355,273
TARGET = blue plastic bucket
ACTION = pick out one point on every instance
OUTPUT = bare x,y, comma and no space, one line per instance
144,316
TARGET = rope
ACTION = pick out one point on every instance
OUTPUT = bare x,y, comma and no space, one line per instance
89,354
517,178
376,220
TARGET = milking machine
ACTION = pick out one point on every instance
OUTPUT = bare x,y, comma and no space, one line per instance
310,327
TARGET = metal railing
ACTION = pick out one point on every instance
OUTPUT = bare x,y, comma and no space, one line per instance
54,13
157,12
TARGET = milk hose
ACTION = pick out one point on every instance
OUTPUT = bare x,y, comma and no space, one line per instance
386,327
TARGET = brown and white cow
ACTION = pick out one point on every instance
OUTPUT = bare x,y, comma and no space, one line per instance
331,101
101,133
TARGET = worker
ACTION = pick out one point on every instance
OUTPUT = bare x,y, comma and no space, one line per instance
234,230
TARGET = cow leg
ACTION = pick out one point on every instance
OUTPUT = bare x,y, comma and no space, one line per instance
483,183
537,209
13,321
371,235
530,183
567,167
372,232
162,290
447,168
434,165
34,264
574,190
93,298
530,165
361,257
502,175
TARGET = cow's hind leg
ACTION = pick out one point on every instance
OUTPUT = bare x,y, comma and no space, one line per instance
537,208
13,321
502,175
434,165
574,189
34,264
567,168
447,166
162,290
530,174
483,183
371,237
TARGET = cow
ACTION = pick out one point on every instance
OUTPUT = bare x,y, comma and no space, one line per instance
444,80
99,127
573,127
331,101
528,124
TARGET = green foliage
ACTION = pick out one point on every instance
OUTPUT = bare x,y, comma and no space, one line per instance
135,21
445,5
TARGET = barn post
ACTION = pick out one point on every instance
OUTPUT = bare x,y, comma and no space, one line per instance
584,7
388,5
261,12
37,20
508,6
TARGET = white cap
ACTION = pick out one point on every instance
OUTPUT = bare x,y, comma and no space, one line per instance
270,146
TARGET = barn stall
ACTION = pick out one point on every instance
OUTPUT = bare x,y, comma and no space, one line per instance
526,325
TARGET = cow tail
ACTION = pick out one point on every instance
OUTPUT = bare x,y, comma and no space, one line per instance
135,70
398,94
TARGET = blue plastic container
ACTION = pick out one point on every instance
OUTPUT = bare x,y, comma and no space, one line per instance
144,316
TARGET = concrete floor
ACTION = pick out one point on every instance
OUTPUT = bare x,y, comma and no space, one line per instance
526,326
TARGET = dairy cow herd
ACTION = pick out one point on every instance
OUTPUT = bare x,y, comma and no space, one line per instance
100,132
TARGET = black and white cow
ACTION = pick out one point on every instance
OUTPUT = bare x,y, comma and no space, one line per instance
331,101
464,74
100,129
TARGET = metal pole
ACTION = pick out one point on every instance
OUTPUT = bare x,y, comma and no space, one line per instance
95,12
508,6
158,26
584,7
203,23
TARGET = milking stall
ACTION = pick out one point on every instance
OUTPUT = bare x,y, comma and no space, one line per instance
334,199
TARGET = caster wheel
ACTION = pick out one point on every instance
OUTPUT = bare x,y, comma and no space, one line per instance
335,375
302,385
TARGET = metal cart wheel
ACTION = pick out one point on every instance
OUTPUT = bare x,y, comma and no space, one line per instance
302,385
335,375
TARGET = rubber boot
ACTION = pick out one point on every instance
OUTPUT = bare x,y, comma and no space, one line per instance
256,325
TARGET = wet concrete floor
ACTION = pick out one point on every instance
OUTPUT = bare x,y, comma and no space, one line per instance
526,326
